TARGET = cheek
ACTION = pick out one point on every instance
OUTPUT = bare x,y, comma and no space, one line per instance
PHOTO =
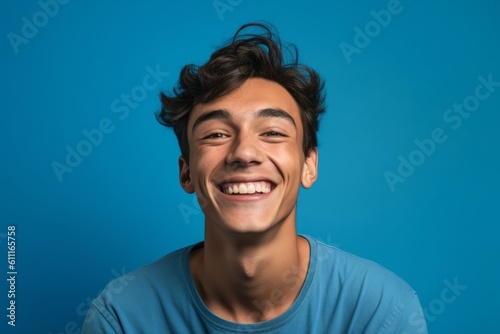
289,160
204,164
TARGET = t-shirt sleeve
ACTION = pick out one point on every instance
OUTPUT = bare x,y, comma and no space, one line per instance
100,321
410,320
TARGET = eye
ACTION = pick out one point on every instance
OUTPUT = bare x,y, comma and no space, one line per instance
273,134
215,135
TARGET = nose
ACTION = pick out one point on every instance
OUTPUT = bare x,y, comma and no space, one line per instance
245,151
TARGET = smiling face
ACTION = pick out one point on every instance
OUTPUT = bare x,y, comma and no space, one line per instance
246,160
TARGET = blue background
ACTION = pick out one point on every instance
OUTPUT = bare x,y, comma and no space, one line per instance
122,207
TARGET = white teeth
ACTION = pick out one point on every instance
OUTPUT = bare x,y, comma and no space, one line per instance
247,188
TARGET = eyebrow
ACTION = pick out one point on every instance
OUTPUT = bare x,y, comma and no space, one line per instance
270,112
214,114
224,114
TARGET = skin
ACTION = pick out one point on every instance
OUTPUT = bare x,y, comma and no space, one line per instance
253,264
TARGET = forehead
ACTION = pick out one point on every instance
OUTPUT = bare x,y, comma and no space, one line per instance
255,94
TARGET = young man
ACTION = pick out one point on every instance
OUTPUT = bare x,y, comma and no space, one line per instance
246,122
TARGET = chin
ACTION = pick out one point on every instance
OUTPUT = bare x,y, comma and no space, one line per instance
250,225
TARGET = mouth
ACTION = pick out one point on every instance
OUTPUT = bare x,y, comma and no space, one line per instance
246,188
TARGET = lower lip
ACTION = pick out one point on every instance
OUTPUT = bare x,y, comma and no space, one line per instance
246,197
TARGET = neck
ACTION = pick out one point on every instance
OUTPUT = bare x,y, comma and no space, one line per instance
250,278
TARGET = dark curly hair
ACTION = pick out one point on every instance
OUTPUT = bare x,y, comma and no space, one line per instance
247,55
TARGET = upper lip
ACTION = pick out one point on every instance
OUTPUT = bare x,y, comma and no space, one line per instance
245,179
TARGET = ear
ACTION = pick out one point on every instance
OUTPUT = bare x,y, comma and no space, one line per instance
185,176
310,170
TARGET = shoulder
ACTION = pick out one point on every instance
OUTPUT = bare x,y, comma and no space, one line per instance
366,290
138,301
146,289
352,270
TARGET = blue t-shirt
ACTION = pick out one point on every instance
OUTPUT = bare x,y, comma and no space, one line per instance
342,293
